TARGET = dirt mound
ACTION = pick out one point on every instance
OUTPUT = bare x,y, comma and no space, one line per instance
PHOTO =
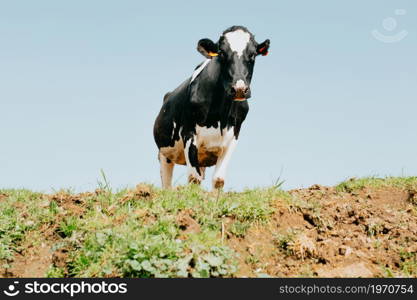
327,233
3,196
140,192
185,221
71,203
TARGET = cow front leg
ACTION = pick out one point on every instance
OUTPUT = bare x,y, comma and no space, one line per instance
167,168
203,172
221,165
195,174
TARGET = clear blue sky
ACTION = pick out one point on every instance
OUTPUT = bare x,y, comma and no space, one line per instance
81,83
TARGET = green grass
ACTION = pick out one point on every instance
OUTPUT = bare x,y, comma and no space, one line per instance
20,212
239,229
148,242
408,263
407,266
356,184
284,242
134,233
68,226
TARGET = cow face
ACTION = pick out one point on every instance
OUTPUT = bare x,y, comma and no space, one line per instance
236,51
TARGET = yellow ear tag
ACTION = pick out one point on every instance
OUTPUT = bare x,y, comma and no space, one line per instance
213,54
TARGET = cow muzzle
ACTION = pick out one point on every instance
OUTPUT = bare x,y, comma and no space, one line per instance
240,91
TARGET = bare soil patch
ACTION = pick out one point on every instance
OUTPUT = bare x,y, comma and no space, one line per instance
327,233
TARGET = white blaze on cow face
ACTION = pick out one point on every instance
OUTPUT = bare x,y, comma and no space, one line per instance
238,41
240,84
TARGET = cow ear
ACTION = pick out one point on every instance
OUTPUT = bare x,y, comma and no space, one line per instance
208,48
263,48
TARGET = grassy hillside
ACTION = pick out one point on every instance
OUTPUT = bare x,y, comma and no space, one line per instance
360,228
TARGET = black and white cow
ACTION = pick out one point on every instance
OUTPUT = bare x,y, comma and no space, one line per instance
200,121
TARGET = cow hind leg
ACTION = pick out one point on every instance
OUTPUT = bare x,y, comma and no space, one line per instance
167,168
195,173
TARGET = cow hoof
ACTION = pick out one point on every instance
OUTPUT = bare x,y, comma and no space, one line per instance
193,180
218,183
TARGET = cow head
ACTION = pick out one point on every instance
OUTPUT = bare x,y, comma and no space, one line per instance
236,51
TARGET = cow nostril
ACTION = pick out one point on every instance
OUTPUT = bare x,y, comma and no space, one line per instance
233,90
246,90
